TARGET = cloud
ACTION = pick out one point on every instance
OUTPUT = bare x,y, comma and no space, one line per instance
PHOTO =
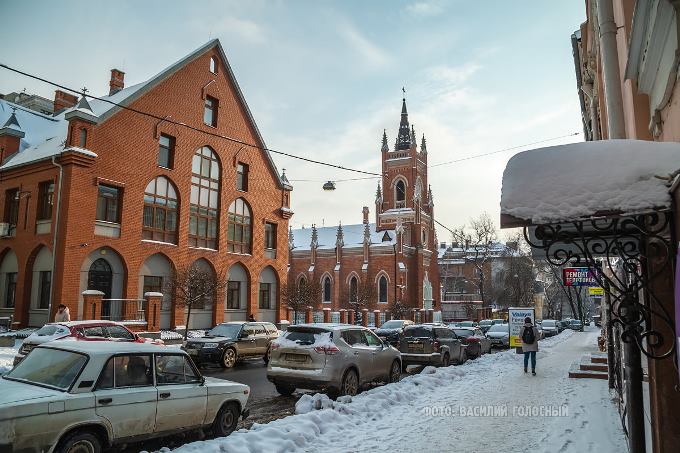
245,29
425,9
374,56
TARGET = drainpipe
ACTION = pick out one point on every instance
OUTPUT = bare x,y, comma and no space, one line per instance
55,235
610,66
594,118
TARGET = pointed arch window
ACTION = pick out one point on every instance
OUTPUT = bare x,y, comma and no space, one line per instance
382,290
353,289
400,194
204,200
327,290
239,233
159,222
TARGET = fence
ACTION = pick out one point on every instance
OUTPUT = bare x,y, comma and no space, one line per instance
335,317
317,316
124,310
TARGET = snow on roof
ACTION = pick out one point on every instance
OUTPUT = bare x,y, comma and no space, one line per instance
353,236
578,180
105,347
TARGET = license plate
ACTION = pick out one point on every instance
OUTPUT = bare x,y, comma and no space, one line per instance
418,347
296,358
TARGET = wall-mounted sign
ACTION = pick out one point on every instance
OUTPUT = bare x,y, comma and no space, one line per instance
596,291
578,276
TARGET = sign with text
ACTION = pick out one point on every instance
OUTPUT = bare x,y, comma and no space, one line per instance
578,276
516,320
596,291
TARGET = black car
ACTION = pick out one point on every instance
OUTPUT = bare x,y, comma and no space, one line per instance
430,344
229,342
391,331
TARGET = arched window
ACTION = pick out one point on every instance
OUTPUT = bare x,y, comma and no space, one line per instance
353,289
400,194
213,65
327,289
159,222
205,189
382,290
238,237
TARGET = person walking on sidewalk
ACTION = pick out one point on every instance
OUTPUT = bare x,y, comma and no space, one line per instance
62,314
529,336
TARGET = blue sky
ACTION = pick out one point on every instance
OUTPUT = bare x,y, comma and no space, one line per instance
324,78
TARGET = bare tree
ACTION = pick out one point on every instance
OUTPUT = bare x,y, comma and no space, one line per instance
477,242
300,295
194,286
513,284
363,296
400,310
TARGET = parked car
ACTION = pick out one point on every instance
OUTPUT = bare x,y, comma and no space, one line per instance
484,324
498,321
391,331
336,358
539,327
575,324
598,320
467,324
229,342
423,344
499,334
84,396
95,330
475,340
550,327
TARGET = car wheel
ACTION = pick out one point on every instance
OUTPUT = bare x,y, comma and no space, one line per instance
228,358
350,383
395,372
284,389
80,442
267,355
226,420
446,360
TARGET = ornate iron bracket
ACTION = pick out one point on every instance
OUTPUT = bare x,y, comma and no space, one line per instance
620,252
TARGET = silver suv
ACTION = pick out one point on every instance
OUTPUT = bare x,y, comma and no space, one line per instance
336,358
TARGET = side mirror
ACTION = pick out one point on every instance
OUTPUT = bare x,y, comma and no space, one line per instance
202,380
244,335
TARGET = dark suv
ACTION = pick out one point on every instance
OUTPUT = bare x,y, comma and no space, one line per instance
391,331
229,342
423,344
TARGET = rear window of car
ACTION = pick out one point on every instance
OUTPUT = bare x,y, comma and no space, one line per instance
548,323
271,328
304,336
417,332
463,332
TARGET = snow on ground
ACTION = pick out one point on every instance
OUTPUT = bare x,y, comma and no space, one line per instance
7,356
486,404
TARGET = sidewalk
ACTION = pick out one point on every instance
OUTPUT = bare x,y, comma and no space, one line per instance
486,404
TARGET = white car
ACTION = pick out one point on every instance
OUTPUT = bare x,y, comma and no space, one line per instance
84,396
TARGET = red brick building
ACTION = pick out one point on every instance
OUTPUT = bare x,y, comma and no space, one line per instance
98,197
397,253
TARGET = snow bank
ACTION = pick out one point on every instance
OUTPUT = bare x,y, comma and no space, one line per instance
580,179
7,356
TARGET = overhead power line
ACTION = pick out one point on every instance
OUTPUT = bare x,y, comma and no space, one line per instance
178,123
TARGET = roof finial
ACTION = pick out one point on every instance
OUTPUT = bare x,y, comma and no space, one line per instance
340,238
291,238
404,137
385,147
423,146
315,237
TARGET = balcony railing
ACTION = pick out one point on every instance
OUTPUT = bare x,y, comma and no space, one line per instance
122,310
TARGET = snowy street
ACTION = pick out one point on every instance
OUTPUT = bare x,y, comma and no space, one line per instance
486,403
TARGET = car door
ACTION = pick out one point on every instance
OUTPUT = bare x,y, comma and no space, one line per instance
125,395
381,358
362,354
247,340
450,339
182,397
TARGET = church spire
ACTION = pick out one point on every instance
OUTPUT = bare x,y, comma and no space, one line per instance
340,237
423,146
385,147
404,137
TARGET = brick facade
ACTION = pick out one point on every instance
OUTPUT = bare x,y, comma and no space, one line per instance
126,146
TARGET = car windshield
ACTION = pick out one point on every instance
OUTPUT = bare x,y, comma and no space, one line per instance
392,325
49,367
498,328
417,332
548,323
466,324
51,329
224,330
463,332
485,323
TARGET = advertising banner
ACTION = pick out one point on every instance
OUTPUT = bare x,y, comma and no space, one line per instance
597,291
516,320
578,276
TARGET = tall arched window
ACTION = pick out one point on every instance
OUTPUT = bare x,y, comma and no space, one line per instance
205,188
353,289
327,289
382,290
400,194
159,222
238,237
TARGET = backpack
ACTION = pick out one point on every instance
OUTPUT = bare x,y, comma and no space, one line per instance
528,336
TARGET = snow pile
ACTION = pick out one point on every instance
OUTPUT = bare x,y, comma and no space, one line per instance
582,179
309,403
550,342
7,356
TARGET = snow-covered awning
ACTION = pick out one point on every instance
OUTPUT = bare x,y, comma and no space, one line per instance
586,180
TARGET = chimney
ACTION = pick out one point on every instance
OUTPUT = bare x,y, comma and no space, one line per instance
117,82
63,100
365,212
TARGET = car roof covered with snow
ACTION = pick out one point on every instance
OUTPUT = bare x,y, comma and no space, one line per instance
325,325
91,322
107,348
